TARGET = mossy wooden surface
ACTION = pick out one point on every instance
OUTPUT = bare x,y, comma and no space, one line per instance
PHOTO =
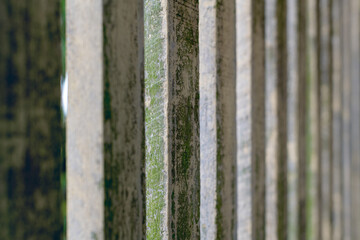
30,120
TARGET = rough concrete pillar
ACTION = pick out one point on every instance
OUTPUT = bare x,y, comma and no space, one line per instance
173,145
250,118
337,216
276,119
105,122
30,120
217,119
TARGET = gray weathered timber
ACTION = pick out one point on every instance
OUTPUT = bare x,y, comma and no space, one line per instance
312,206
105,123
292,157
250,119
302,116
318,121
346,108
183,119
325,84
337,215
217,119
30,120
355,118
276,119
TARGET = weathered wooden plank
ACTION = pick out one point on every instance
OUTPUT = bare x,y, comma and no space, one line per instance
312,223
325,84
183,119
292,157
337,214
217,119
355,118
250,117
173,65
105,122
30,120
346,144
301,116
276,119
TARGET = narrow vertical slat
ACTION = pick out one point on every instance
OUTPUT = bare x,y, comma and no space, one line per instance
250,100
183,119
292,157
337,216
30,120
346,144
301,116
355,118
172,117
105,122
276,119
318,123
312,207
325,84
217,119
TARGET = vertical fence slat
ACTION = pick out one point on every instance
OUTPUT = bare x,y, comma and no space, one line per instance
292,157
30,120
325,82
337,122
173,96
346,51
312,225
105,123
217,119
355,118
250,101
183,119
301,116
276,119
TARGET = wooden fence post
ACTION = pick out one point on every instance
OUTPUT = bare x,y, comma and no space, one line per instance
105,122
30,120
276,119
250,119
355,117
337,215
174,67
217,119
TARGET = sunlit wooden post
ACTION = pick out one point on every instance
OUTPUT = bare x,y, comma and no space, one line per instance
105,122
250,118
217,119
30,120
